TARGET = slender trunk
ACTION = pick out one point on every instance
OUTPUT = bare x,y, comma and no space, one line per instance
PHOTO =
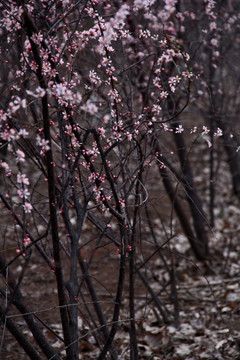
116,312
96,305
20,337
231,144
211,175
155,297
30,30
26,313
196,245
133,335
198,215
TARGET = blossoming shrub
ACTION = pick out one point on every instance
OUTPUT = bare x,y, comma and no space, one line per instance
92,94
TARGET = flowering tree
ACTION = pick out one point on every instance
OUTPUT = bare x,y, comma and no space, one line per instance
94,95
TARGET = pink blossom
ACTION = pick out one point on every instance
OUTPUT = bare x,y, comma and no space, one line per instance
4,165
43,143
94,78
179,129
27,207
214,42
129,136
23,193
37,38
218,132
213,25
20,155
38,93
90,107
193,130
23,133
101,131
163,94
22,179
122,202
187,74
205,130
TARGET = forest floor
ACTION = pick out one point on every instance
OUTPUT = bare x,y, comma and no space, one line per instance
208,305
204,317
